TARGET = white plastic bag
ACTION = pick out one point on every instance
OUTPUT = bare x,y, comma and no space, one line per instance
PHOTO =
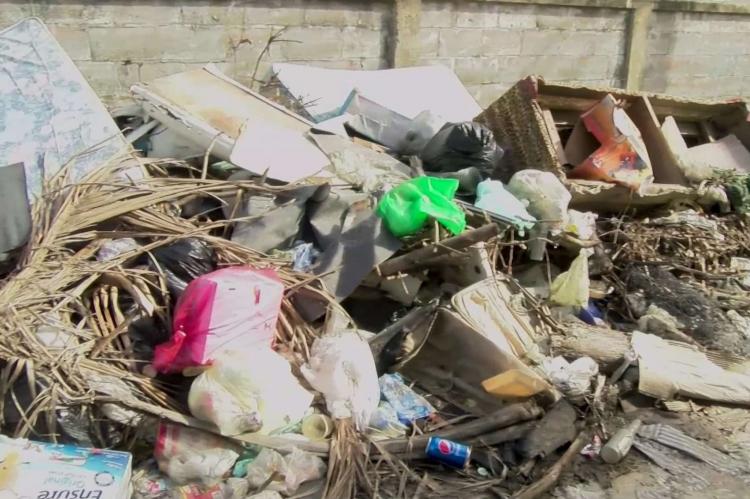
341,367
292,470
546,196
572,287
187,455
249,391
572,379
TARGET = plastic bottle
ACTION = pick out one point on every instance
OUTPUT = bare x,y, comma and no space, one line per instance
619,445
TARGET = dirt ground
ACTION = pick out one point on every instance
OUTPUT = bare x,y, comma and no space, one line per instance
637,477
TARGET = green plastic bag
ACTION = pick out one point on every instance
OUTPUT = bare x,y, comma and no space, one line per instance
407,207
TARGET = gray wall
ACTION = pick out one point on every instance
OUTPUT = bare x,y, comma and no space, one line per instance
490,45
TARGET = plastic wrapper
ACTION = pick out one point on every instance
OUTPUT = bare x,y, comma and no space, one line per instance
407,208
249,391
291,470
183,261
342,368
571,288
116,247
572,379
232,309
409,405
385,421
187,455
546,197
493,197
461,145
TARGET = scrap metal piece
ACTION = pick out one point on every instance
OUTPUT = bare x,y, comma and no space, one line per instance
676,439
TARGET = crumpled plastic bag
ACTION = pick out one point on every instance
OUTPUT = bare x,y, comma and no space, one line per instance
407,207
385,422
249,391
408,404
546,197
232,309
462,145
493,197
292,470
188,455
572,379
571,288
183,261
116,247
342,368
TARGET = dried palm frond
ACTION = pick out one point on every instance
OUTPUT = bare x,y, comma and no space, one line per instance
60,284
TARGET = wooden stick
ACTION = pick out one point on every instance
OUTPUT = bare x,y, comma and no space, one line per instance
405,262
506,416
550,478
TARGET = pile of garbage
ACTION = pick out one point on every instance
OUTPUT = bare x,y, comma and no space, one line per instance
387,292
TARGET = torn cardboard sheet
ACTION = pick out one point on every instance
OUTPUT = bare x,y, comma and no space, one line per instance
326,92
49,115
487,307
212,110
668,369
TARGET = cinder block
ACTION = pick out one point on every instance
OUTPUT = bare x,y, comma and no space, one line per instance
476,15
57,13
332,14
11,12
448,62
361,42
428,42
476,70
278,13
460,42
109,78
437,15
174,43
225,14
374,15
74,40
497,42
566,68
309,43
687,66
132,13
488,93
581,19
150,71
246,46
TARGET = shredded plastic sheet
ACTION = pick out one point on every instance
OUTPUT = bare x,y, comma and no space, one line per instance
50,115
408,404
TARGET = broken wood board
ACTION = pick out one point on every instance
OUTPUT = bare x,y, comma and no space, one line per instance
606,346
210,109
725,154
668,369
603,197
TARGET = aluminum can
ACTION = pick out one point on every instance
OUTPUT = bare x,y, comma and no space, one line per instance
448,452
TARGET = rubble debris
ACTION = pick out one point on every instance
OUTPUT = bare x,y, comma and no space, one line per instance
213,314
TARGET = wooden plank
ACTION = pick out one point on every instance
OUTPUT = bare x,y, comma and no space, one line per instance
549,120
663,162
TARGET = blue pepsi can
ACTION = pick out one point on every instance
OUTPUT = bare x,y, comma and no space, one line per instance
447,452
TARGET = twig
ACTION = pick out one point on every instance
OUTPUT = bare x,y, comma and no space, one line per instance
552,475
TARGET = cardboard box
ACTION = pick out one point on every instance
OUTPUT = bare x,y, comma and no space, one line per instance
51,471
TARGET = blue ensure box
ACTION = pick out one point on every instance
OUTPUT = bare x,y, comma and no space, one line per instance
38,470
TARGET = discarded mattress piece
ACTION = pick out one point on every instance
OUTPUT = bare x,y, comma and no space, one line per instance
49,115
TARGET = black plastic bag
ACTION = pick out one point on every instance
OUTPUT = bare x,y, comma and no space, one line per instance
462,145
183,261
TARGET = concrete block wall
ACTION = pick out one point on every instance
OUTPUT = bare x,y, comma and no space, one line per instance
493,45
698,55
490,45
116,43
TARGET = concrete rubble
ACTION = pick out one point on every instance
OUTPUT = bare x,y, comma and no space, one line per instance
380,291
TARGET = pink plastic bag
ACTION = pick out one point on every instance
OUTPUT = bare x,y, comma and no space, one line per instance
230,309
